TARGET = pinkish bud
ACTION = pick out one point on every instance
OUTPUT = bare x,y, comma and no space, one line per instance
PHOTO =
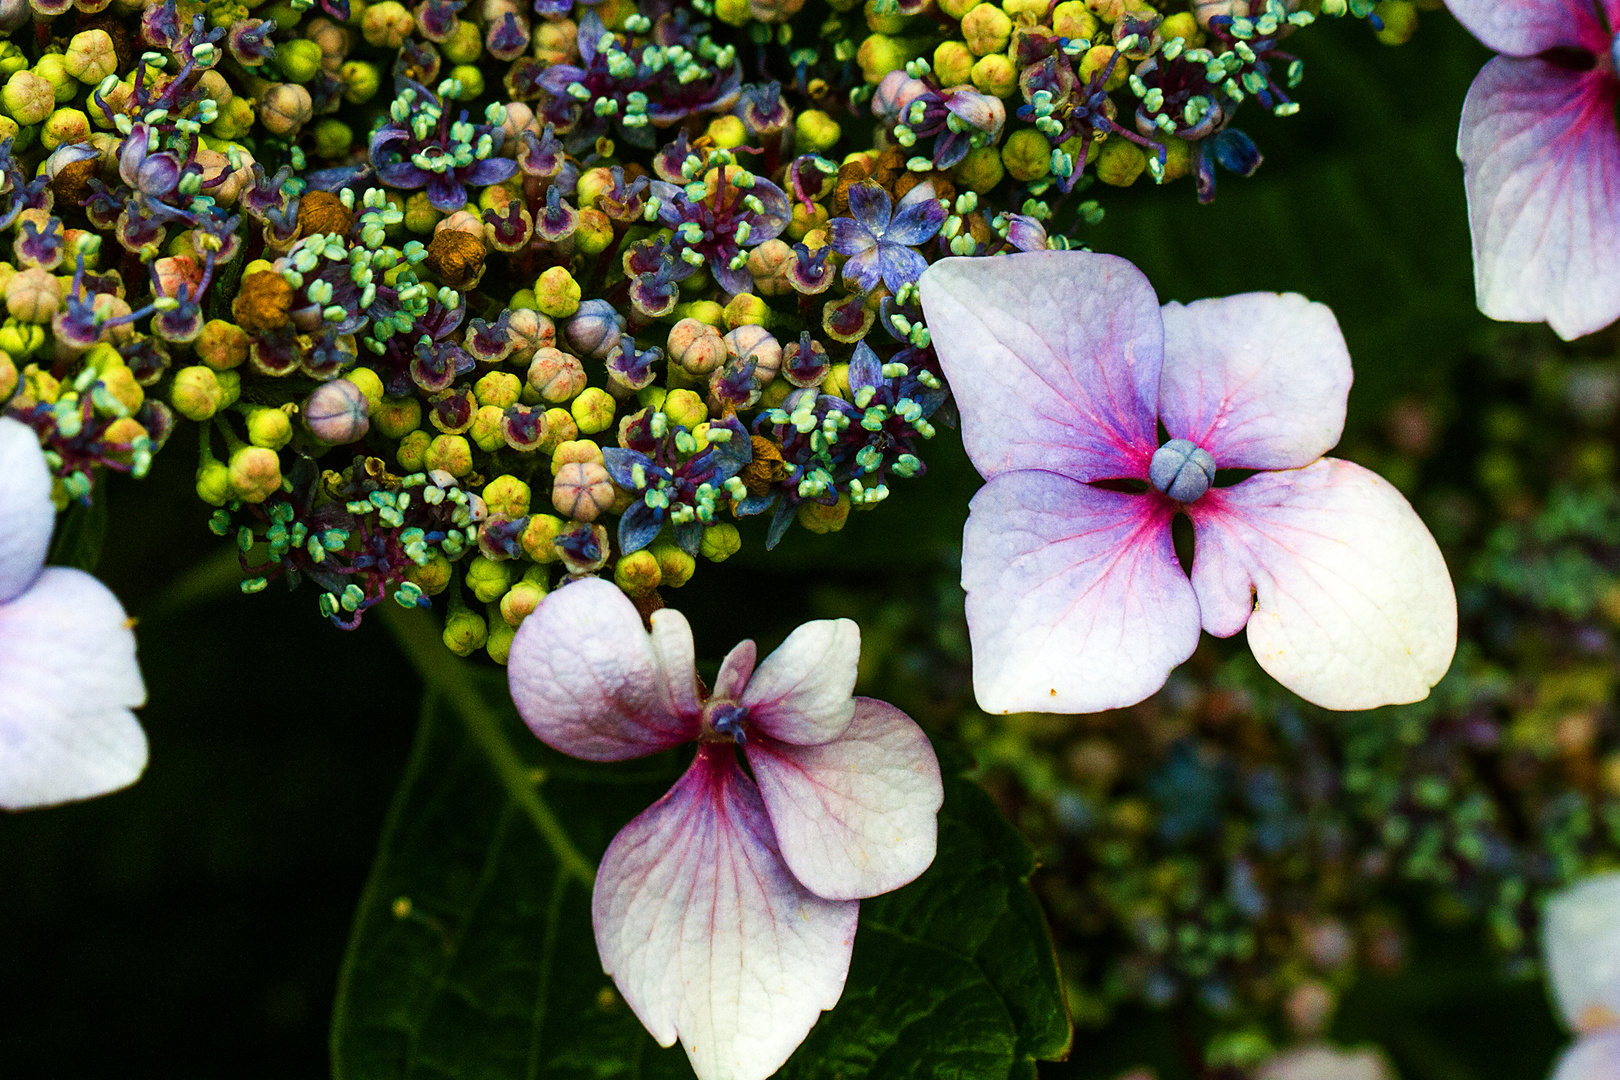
337,413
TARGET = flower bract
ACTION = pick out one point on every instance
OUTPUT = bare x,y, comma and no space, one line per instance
1581,942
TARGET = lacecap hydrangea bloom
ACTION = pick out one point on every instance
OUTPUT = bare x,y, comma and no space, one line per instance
726,912
1541,161
1064,368
1581,942
68,677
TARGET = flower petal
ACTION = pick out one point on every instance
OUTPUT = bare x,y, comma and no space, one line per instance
68,680
1594,1057
1259,380
708,935
1541,162
1580,938
803,692
901,265
1075,600
917,218
849,237
865,269
589,681
26,514
856,816
735,670
1054,357
1352,604
1527,27
869,204
1323,1062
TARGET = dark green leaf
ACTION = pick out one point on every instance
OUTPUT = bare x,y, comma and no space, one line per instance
472,954
80,534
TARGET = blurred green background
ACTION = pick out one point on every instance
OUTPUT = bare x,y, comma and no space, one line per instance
193,926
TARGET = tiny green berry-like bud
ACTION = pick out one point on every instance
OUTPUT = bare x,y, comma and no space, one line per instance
881,54
333,139
980,171
361,81
593,411
488,579
298,59
816,131
370,385
464,631
214,483
498,388
593,234
1098,58
986,30
387,25
32,296
1027,155
28,98
433,576
538,536
995,75
746,309
953,63
269,428
397,417
675,566
196,393
507,495
450,453
90,56
720,542
255,473
221,345
521,599
1119,163
413,448
637,573
685,408
557,293
501,635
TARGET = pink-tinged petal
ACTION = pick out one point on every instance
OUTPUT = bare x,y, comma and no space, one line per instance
68,680
1259,380
1054,358
735,670
1593,1057
854,817
590,682
1541,162
804,691
1580,939
1528,27
26,513
1352,606
1322,1062
1075,600
706,932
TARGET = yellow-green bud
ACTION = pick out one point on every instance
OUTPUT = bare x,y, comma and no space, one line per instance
884,18
560,428
637,573
593,234
213,483
720,542
880,54
986,29
333,138
12,59
592,410
221,345
18,338
433,576
995,75
52,67
236,118
498,388
815,131
1400,20
958,9
28,98
464,631
980,170
685,408
538,536
387,25
1027,155
397,417
728,132
361,80
90,56
522,598
1096,59
488,579
8,377
953,63
746,309
413,448
269,428
369,384
818,518
556,293
675,566
450,453
471,79
298,59
420,214
1183,25
507,495
196,393
465,44
1120,162
704,311
501,635
255,473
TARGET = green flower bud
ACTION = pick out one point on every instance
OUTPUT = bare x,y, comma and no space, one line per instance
420,214
413,448
981,170
704,311
818,518
958,9
507,495
522,598
471,79
815,131
28,98
433,576
1096,59
64,126
593,234
953,63
362,80
728,132
1027,155
556,293
368,382
1183,25
450,453
196,393
333,139
720,542
884,18
387,25
501,635
746,309
466,44
498,388
986,29
235,119
18,338
881,54
52,67
298,59
269,428
213,483
221,345
995,75
560,428
12,59
1120,162
488,579
255,473
286,107
397,417
464,631
538,536
8,378
90,56
685,408
637,573
675,566
593,410
1400,19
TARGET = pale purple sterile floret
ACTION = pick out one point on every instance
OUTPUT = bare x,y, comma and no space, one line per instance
1580,941
879,237
726,912
1063,367
1541,162
68,677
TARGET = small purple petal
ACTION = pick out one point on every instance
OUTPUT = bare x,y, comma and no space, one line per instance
869,204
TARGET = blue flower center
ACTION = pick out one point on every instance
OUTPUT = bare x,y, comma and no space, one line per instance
1182,470
726,718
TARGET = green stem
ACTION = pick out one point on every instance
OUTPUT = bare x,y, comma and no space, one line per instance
448,677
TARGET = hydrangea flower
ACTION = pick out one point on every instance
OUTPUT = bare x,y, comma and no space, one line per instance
1581,944
1324,1062
725,913
1064,367
879,237
68,677
1541,162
